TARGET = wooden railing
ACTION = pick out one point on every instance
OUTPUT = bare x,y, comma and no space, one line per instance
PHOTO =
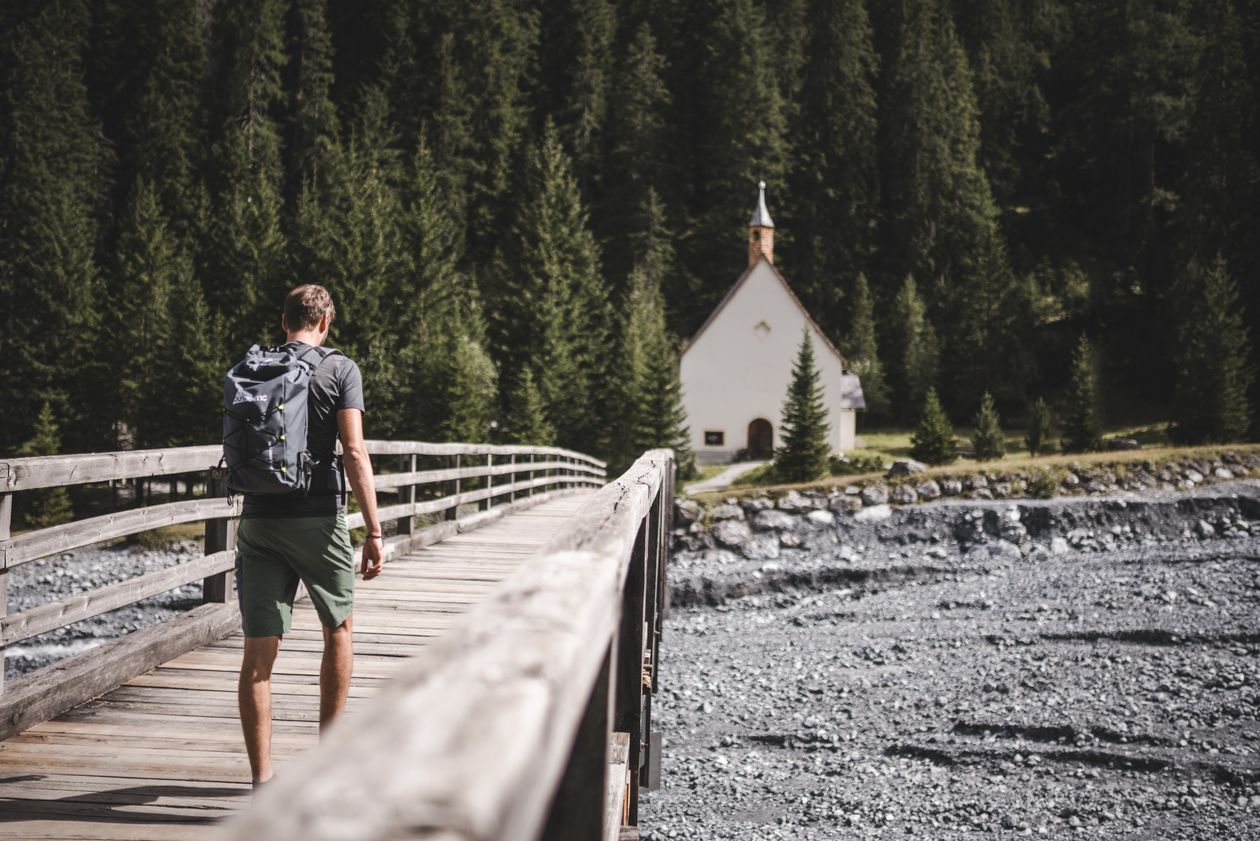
530,719
494,479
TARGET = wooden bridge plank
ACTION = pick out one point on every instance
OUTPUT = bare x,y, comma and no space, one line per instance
161,757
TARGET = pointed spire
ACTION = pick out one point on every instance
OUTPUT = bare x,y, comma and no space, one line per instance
761,216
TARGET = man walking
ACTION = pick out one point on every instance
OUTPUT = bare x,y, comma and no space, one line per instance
302,536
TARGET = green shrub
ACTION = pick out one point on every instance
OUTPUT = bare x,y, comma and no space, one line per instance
1043,485
855,465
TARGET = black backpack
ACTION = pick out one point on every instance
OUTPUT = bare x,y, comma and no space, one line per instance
265,416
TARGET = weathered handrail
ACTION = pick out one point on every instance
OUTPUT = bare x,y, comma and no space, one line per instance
534,473
522,721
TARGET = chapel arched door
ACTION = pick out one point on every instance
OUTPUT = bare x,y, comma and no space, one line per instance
760,439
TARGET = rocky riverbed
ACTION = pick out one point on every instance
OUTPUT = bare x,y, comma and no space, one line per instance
1068,668
71,573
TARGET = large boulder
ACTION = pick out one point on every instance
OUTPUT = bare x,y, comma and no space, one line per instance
845,504
821,518
904,495
726,512
773,520
874,514
951,487
732,533
905,467
687,511
928,490
796,501
874,495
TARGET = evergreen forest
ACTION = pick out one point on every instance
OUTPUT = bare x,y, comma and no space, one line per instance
523,208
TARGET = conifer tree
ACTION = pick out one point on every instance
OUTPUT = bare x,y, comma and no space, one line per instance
164,131
244,250
193,362
44,507
734,114
1212,369
919,360
526,421
987,439
941,220
648,394
835,175
1037,438
552,307
635,164
864,349
50,192
803,456
1081,431
933,439
312,115
147,265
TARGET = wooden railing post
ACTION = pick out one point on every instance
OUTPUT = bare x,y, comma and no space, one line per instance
486,503
452,488
6,526
629,700
407,525
220,537
512,478
577,812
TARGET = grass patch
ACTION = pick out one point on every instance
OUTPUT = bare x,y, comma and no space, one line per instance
763,478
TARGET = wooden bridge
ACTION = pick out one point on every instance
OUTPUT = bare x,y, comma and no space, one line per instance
505,661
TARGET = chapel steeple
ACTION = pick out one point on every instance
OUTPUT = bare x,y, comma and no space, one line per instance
761,230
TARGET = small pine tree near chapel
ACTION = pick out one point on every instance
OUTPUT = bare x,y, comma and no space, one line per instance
933,440
987,440
1038,437
804,454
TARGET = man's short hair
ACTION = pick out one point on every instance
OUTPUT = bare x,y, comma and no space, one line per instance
305,305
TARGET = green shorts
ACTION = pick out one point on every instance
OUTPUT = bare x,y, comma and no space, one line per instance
273,554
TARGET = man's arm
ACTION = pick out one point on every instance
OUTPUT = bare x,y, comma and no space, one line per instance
359,474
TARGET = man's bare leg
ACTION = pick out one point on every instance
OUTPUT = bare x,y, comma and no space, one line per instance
334,672
253,692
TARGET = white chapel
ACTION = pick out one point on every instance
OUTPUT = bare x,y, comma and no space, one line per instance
736,369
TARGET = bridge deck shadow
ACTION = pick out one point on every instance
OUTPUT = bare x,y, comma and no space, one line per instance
161,757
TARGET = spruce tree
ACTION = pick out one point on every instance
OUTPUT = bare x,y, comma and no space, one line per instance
551,305
1081,432
804,453
919,361
987,439
244,251
312,117
731,111
526,420
44,507
636,160
864,350
348,237
834,181
941,222
193,362
50,192
933,439
147,265
648,394
163,133
1212,371
1037,438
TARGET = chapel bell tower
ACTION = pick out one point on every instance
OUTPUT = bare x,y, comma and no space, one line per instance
761,231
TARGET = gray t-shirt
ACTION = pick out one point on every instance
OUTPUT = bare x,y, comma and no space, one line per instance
336,384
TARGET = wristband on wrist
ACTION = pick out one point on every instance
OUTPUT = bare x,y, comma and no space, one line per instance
375,537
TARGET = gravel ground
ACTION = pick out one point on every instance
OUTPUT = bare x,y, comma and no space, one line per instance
53,579
1069,669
